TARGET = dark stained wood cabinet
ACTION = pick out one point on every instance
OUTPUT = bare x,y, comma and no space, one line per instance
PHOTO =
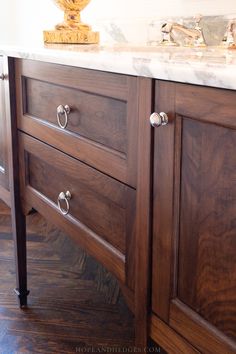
194,217
156,206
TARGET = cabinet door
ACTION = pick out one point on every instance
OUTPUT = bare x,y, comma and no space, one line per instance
4,182
194,228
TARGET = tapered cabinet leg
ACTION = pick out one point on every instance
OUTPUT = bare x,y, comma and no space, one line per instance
19,236
22,297
18,219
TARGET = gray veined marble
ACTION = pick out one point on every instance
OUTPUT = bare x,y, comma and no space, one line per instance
147,31
206,66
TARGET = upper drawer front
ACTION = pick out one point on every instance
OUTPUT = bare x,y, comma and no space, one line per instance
101,128
100,206
97,118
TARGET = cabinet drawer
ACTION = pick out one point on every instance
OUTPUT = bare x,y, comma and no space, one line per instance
101,209
100,120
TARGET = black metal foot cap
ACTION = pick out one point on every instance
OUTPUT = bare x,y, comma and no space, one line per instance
22,297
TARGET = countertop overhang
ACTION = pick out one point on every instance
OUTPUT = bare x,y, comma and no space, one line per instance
211,66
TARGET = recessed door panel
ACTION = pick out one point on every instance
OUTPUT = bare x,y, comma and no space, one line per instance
207,240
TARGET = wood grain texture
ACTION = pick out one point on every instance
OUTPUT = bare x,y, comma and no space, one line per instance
98,118
199,332
97,200
207,245
206,104
18,219
103,118
65,310
100,206
194,274
142,245
98,82
163,172
169,340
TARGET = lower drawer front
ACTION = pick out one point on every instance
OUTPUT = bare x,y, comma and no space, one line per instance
101,209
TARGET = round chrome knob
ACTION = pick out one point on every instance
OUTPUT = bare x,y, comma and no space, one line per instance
63,111
2,76
158,119
64,197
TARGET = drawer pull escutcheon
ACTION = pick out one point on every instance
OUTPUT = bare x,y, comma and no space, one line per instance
64,197
158,119
63,110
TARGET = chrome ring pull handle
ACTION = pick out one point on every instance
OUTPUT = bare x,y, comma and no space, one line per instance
158,119
64,197
63,111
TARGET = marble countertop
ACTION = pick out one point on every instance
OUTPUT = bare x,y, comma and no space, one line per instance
210,66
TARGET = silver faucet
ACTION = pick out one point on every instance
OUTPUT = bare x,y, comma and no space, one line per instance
194,36
228,40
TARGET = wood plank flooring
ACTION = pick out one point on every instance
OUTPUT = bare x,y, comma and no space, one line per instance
66,313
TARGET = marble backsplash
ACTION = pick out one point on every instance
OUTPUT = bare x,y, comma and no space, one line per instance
146,31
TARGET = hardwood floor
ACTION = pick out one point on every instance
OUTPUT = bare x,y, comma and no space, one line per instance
74,305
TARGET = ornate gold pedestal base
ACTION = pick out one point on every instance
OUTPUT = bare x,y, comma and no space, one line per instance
71,36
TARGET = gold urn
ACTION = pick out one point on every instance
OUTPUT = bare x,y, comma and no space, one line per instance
72,30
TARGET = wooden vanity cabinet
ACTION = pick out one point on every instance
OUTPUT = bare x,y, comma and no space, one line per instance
194,220
104,156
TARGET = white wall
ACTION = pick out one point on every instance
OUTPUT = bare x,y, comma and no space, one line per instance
158,8
26,19
32,17
7,21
